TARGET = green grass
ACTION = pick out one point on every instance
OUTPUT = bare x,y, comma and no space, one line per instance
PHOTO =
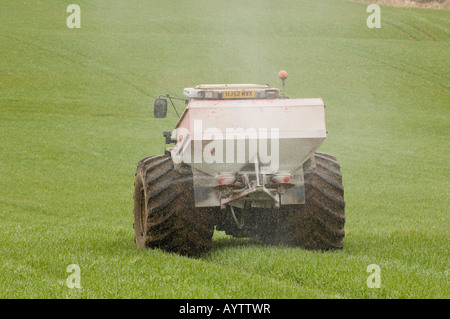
76,118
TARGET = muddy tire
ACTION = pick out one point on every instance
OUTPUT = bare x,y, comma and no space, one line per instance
319,223
165,215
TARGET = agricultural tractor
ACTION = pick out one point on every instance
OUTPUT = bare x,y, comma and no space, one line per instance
243,161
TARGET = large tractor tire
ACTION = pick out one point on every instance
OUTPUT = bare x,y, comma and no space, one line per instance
319,223
165,215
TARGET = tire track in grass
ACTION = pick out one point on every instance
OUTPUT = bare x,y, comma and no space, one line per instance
409,35
424,33
66,55
414,70
437,23
411,25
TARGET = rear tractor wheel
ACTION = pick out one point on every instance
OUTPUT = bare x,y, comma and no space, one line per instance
319,223
165,215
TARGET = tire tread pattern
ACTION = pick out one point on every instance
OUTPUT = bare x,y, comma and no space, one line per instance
173,223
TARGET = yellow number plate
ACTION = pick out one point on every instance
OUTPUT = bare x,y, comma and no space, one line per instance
238,94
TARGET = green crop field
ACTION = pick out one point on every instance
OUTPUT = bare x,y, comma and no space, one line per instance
76,117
